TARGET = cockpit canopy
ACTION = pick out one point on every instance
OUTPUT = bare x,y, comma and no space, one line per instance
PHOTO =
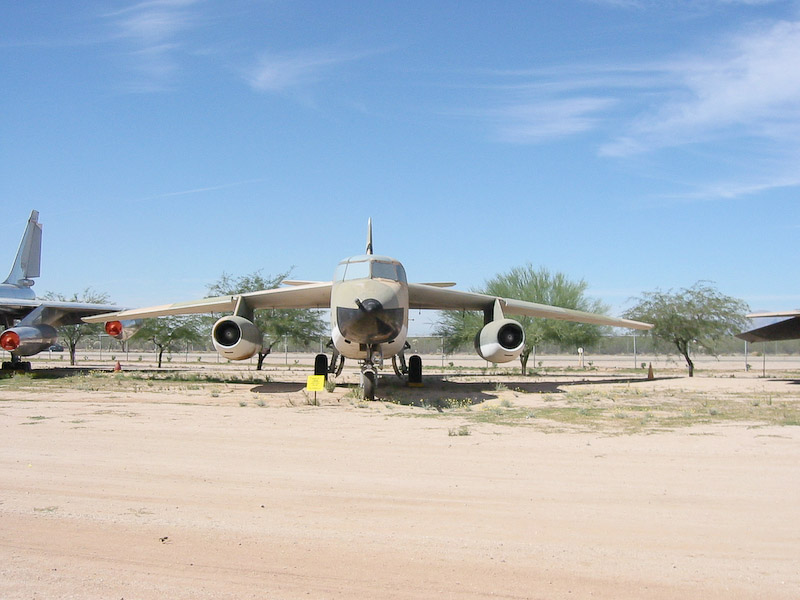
370,266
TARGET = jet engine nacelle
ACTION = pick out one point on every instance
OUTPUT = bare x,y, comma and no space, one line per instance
28,340
123,330
236,338
500,341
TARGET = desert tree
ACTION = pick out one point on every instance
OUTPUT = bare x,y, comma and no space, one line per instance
71,329
699,316
299,325
534,285
169,333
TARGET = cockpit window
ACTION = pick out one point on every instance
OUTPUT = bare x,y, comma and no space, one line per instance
352,270
393,271
374,269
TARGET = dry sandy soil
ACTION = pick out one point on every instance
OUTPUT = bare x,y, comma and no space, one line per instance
578,484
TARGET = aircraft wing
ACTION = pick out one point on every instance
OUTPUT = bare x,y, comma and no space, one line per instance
311,295
785,329
781,313
52,312
430,297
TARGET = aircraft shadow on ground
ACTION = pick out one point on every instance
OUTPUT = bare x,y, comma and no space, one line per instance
437,390
545,387
278,387
444,391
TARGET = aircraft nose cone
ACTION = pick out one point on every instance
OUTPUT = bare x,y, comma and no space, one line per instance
370,323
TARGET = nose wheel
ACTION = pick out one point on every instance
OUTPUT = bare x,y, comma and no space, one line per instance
369,382
369,371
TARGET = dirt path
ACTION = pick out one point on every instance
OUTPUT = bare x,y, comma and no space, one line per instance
136,495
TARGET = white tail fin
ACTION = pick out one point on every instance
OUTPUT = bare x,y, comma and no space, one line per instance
29,256
369,236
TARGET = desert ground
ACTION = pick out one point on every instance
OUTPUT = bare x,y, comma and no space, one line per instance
214,481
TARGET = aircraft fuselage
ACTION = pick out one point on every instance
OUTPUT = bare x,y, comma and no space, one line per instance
16,292
369,307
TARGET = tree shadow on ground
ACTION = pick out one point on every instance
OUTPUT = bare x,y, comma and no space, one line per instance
55,372
187,375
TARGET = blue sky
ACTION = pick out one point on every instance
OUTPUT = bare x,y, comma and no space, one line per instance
635,144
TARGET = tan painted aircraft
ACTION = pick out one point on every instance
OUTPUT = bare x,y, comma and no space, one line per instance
369,299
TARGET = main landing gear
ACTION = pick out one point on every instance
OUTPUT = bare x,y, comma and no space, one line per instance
15,364
412,370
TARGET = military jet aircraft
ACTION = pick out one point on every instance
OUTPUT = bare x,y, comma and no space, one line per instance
777,329
29,322
369,299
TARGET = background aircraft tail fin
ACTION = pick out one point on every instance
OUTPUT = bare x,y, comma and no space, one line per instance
28,262
369,236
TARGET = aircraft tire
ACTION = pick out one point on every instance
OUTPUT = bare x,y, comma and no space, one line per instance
321,364
369,385
415,369
23,366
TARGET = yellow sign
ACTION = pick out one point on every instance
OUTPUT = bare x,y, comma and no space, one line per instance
316,383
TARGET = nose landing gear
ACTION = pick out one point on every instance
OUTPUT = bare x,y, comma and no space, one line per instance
369,371
369,381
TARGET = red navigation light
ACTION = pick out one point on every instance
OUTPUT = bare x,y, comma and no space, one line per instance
114,328
9,340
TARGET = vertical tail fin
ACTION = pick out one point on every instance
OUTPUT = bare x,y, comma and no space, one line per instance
369,236
28,262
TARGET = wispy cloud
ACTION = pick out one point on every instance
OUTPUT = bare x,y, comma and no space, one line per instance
279,72
153,31
752,88
194,191
542,121
741,96
738,188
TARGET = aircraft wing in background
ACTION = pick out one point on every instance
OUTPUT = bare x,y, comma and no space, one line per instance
51,312
786,329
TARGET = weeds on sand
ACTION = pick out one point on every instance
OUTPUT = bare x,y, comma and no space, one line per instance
459,431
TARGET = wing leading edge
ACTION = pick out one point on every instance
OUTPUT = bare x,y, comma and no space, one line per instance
312,295
422,296
318,295
52,312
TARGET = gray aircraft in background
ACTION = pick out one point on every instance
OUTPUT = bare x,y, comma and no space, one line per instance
369,299
30,323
